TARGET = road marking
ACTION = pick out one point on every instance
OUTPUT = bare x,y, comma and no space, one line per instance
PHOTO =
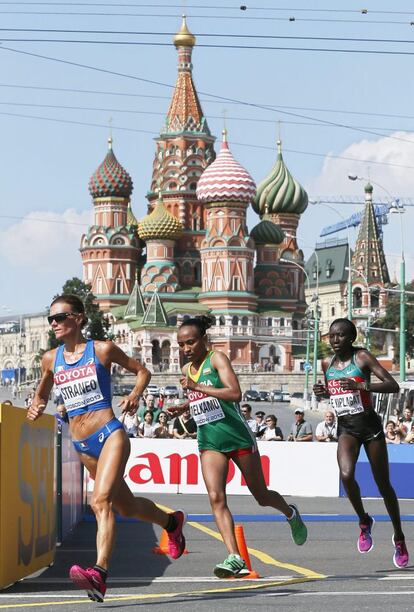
145,596
161,579
263,557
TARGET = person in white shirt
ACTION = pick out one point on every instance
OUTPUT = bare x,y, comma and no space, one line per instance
147,428
130,422
246,411
404,424
272,431
326,431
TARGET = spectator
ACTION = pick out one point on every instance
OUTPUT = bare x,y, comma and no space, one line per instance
161,400
14,391
272,432
392,434
130,422
409,438
406,421
185,426
246,411
28,400
149,406
301,430
162,431
147,428
260,423
61,416
326,431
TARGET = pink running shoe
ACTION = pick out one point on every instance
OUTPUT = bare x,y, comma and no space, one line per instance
401,556
90,580
176,539
365,541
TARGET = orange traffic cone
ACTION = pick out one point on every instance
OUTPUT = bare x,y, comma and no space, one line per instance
244,553
162,549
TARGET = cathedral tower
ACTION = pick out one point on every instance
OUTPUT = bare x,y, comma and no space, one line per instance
184,150
110,249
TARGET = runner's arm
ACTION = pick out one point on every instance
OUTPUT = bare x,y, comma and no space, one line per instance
44,388
367,361
230,391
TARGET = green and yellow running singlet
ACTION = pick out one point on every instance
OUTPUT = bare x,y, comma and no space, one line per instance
220,424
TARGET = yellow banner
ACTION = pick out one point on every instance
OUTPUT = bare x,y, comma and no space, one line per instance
27,496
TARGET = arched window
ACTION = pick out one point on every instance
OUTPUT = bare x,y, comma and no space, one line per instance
357,295
222,320
329,268
197,272
118,285
282,322
235,320
269,321
374,299
295,324
245,321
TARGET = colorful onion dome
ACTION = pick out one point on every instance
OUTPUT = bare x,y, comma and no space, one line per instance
159,224
184,38
225,179
279,192
267,232
110,179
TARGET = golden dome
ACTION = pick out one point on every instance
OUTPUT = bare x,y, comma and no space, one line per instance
159,224
184,38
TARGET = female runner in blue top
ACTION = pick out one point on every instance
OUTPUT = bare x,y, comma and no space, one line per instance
348,385
80,370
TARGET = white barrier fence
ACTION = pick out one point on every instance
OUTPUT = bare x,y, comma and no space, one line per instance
173,466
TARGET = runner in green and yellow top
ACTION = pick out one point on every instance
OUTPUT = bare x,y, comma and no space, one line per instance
213,392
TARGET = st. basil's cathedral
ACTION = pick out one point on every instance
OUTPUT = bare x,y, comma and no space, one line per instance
193,253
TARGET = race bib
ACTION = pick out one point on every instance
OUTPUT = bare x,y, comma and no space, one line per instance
204,408
79,387
344,402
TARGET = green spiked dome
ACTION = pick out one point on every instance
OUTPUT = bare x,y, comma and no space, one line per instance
280,192
159,224
267,232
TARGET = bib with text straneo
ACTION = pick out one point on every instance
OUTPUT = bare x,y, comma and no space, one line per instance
79,386
344,402
204,408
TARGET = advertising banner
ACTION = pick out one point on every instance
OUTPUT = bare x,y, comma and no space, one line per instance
173,466
27,496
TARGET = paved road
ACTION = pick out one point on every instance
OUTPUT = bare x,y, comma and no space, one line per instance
326,574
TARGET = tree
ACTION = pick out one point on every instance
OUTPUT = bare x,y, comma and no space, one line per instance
97,326
392,320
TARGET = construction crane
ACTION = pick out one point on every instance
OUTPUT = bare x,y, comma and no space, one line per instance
381,211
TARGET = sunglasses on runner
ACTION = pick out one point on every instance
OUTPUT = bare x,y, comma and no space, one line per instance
60,317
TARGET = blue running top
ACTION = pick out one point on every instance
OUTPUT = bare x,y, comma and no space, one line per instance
84,385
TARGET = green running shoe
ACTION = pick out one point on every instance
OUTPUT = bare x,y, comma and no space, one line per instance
298,527
232,567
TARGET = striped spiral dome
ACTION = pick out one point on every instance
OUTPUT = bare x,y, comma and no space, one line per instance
225,179
279,192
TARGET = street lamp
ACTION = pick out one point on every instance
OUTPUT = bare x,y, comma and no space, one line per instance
315,344
395,208
349,253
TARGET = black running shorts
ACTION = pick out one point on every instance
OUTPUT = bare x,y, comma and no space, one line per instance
365,426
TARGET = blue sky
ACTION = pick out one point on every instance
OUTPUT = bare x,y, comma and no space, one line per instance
55,116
